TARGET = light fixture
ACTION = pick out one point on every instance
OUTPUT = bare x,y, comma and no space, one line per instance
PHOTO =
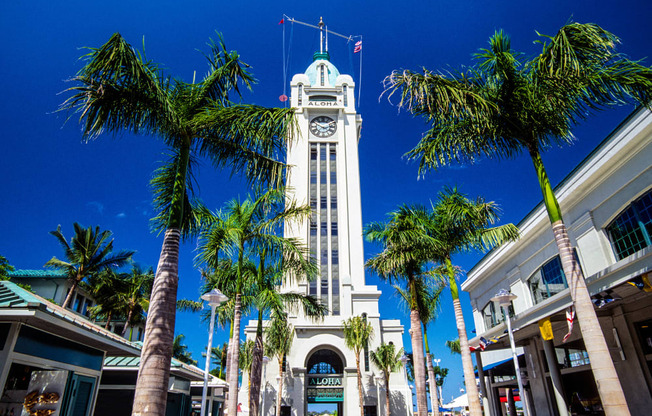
214,299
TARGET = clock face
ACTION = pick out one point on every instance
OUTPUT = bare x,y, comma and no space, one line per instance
323,126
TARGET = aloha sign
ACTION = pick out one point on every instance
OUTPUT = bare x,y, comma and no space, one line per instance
325,381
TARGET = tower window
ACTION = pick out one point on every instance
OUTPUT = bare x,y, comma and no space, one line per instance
322,74
313,152
345,98
300,94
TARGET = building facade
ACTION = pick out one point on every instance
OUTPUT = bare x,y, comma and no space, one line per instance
607,206
325,174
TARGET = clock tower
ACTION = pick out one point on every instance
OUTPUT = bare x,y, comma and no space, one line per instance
324,173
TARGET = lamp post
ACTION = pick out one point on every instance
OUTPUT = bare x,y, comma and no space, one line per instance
440,398
404,360
214,299
504,298
263,391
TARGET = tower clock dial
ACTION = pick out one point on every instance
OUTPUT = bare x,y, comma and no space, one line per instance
323,126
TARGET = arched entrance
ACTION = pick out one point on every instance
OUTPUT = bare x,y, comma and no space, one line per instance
324,382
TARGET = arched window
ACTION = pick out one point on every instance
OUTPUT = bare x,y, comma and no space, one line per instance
492,314
547,281
631,230
345,93
325,362
300,94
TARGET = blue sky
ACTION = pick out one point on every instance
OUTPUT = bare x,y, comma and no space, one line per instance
51,177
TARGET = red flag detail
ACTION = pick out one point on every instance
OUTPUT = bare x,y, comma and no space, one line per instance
283,98
570,317
358,47
281,22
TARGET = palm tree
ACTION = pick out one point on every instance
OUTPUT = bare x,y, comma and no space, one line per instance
134,296
506,105
242,229
278,341
105,289
119,90
428,301
357,334
405,256
458,224
388,360
218,355
88,253
268,299
245,358
440,374
180,351
454,346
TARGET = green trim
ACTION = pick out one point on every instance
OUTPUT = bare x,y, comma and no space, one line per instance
321,55
549,199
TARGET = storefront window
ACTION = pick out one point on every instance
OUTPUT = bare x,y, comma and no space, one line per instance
32,389
547,281
631,230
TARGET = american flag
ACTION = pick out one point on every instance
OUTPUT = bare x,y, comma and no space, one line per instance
358,47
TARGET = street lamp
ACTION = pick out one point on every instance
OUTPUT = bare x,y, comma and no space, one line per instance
265,361
441,399
504,299
214,299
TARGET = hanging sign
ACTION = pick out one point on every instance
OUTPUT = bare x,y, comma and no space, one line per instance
316,395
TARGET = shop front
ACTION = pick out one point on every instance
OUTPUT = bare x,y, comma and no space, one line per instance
50,358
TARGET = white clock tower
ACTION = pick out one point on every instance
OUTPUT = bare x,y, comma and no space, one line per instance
324,173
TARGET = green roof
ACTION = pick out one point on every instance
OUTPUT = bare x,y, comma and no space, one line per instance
12,295
135,361
42,274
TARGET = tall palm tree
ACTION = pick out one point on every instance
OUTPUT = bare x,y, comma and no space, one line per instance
357,334
89,252
428,301
245,358
268,299
458,224
389,361
278,341
134,297
506,105
180,350
120,91
406,254
242,229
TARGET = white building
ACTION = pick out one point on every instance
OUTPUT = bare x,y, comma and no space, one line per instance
325,174
607,205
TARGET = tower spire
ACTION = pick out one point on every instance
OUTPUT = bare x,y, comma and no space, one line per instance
321,35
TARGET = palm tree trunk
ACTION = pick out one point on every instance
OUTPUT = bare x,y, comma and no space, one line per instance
279,395
129,317
108,321
71,292
419,372
357,365
235,356
150,397
604,372
434,401
256,368
467,363
387,394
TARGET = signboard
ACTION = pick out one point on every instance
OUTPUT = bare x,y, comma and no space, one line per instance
326,388
325,395
325,381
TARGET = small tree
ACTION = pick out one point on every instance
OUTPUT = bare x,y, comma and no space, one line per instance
388,360
357,333
180,350
279,336
88,253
